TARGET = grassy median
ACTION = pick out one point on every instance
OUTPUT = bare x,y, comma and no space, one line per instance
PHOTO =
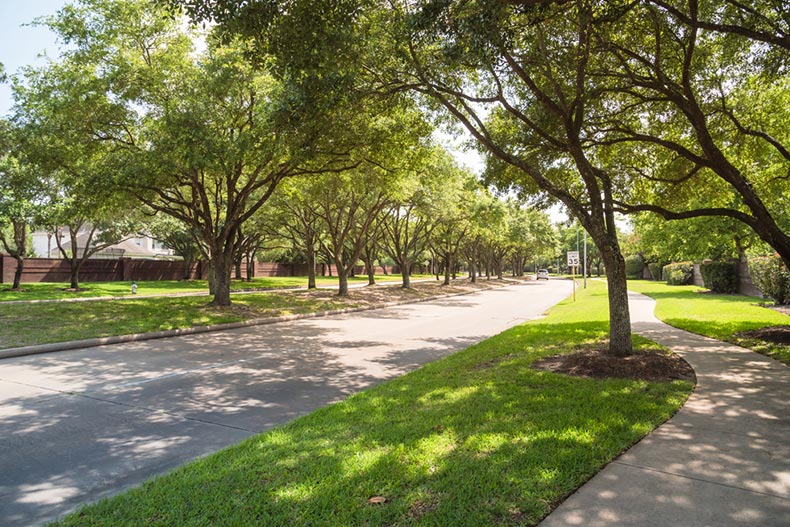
717,316
476,439
43,323
60,291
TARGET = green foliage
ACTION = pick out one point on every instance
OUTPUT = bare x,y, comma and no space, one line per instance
681,273
720,277
655,271
634,265
771,277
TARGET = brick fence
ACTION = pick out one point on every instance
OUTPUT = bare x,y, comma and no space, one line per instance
128,269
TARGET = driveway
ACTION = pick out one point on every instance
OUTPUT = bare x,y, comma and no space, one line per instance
83,424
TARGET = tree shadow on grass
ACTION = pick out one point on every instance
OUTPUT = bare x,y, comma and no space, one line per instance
476,439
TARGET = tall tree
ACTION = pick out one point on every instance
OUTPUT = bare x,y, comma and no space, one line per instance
19,204
516,77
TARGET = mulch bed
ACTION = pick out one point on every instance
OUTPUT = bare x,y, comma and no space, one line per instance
595,362
775,334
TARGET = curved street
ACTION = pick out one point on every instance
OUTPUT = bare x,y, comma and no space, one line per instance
88,423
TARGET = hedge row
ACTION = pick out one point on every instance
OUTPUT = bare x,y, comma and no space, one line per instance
634,265
720,277
681,273
771,277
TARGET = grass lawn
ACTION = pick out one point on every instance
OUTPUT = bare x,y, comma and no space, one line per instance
28,324
54,291
718,316
476,439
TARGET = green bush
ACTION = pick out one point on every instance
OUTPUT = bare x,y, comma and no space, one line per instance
634,265
681,273
770,276
655,271
720,277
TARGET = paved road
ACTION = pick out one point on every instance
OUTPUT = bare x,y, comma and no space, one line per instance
79,425
722,460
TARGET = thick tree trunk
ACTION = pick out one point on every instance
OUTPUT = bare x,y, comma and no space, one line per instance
222,270
448,263
20,266
237,265
342,281
212,279
405,271
620,344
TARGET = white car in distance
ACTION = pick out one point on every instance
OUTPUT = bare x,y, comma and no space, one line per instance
542,274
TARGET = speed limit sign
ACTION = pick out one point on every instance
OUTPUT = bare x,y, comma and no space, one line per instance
573,258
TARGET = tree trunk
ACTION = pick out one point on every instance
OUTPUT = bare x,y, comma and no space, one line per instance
222,268
20,266
342,281
370,270
448,263
237,265
212,279
405,271
187,269
75,275
250,267
619,315
384,269
472,272
310,268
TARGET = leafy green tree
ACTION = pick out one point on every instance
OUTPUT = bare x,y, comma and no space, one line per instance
349,205
18,202
516,77
176,236
409,224
296,220
698,100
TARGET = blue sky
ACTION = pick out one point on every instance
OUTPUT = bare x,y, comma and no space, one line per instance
19,45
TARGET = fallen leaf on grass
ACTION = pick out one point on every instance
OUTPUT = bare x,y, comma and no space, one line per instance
377,499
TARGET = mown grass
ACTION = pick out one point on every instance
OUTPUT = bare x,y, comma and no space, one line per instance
718,316
28,324
476,439
56,291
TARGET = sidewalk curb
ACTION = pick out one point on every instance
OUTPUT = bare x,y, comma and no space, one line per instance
136,337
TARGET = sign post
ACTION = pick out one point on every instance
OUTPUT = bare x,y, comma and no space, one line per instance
573,263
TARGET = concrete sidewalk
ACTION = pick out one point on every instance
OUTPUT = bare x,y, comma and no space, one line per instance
722,460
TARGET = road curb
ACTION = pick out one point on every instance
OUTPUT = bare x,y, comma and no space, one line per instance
39,349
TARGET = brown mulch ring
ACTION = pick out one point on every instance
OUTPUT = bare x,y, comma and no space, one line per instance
593,361
775,334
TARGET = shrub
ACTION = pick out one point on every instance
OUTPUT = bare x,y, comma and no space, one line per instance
770,276
681,273
655,271
720,277
634,265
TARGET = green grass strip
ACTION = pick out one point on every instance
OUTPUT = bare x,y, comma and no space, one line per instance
476,439
29,324
717,316
57,291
